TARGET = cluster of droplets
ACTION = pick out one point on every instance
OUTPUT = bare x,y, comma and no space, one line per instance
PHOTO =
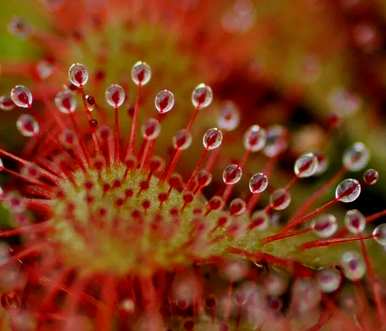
271,141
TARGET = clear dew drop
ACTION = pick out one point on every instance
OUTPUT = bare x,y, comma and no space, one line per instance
344,102
216,203
212,139
353,265
355,221
164,101
379,234
6,103
325,225
235,270
254,138
280,199
18,27
348,190
275,283
229,116
203,178
182,139
306,165
68,138
27,125
371,176
31,171
306,295
276,141
232,174
237,207
21,96
260,220
202,96
14,202
329,280
258,183
140,73
65,101
356,157
90,102
44,69
322,163
78,75
115,96
151,129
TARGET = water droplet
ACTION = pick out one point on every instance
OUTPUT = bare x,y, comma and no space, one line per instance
229,116
21,96
6,103
127,305
325,225
78,75
322,163
212,139
216,203
141,73
306,295
182,139
164,101
329,280
104,132
276,141
379,234
240,17
202,96
371,176
306,165
258,183
254,138
353,266
280,199
68,138
14,202
44,69
235,270
30,170
344,102
115,96
203,178
65,101
356,157
259,220
355,221
275,284
237,207
348,190
151,129
232,174
90,103
18,27
27,125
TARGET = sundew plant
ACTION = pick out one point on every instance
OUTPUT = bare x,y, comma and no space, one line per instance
114,219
